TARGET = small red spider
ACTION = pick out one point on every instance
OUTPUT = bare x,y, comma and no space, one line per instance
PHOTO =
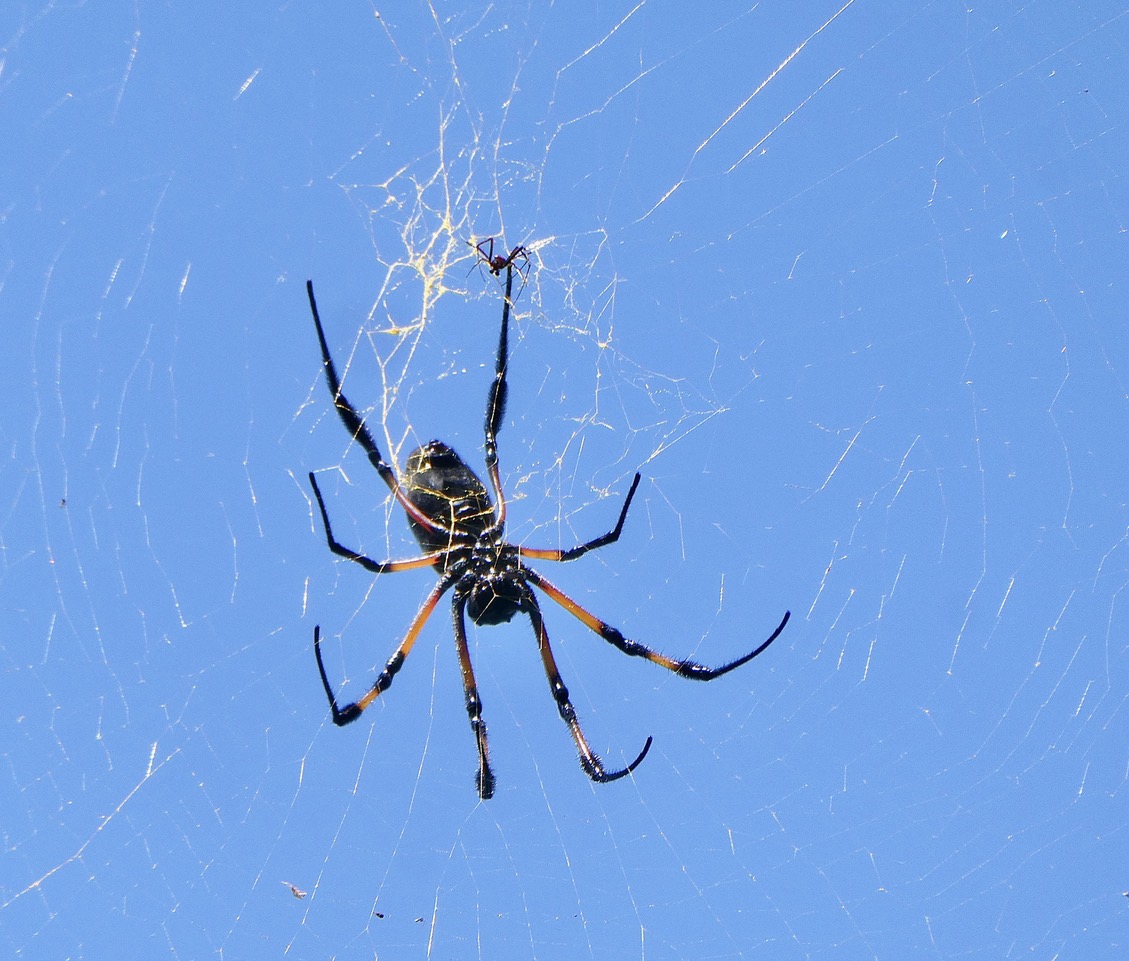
499,263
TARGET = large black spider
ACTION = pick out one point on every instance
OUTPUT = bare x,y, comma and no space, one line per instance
461,532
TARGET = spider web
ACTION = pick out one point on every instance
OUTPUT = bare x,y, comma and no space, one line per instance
845,284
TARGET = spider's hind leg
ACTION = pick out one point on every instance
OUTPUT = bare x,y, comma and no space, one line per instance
589,760
484,780
350,712
683,668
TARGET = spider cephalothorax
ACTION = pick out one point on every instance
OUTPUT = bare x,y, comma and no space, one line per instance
461,530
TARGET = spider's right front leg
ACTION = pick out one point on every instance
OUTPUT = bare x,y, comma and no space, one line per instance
346,411
355,424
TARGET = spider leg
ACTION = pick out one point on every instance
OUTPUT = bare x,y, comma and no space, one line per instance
350,712
355,424
485,256
496,403
690,669
589,761
376,567
484,780
547,554
496,264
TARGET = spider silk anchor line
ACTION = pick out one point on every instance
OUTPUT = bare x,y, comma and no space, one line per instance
461,531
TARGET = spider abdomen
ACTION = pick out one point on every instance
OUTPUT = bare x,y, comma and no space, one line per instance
439,483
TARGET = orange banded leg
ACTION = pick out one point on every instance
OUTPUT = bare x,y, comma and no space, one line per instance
484,780
548,554
589,761
690,669
376,567
350,712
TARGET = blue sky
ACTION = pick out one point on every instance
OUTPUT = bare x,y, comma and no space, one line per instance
846,284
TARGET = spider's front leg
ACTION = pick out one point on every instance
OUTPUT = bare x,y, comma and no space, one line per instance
355,424
496,401
346,411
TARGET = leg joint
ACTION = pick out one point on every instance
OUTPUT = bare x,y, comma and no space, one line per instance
560,692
